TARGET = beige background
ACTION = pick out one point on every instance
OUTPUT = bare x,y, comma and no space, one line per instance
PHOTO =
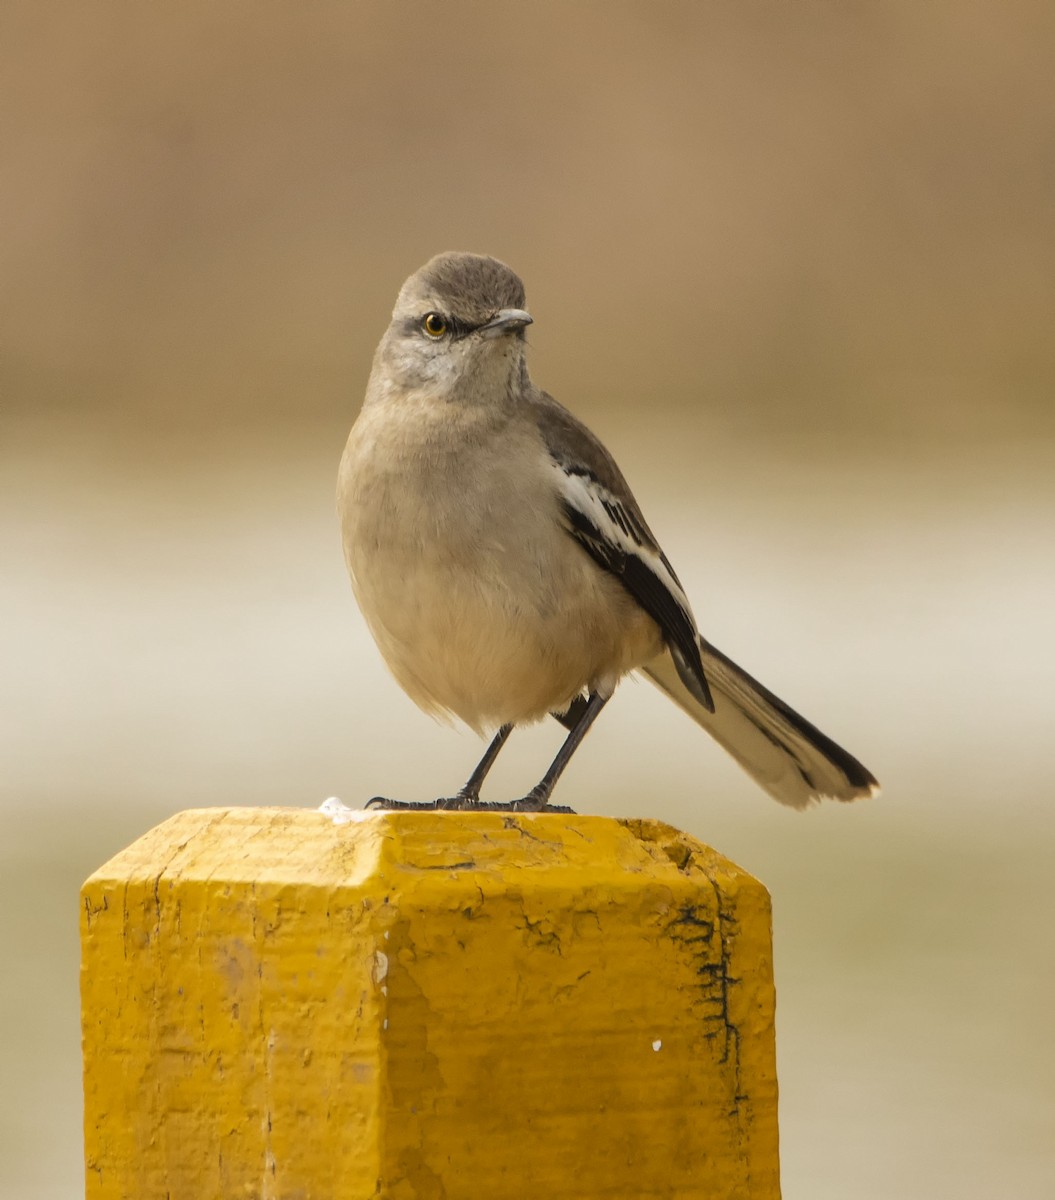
795,263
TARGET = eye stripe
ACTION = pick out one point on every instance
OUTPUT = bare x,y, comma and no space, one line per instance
452,327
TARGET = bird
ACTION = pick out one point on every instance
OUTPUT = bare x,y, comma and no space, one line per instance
504,567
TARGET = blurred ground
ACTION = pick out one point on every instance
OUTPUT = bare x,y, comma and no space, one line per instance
794,265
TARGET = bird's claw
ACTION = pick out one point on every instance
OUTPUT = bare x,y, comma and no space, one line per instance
445,804
463,803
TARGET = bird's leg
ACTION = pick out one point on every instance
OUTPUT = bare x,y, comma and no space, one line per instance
471,791
468,797
537,800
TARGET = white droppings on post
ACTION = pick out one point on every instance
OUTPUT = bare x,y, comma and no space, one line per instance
657,1044
339,812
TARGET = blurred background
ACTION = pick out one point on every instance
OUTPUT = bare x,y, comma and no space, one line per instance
794,263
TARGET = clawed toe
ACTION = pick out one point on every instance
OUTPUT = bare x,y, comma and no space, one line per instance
382,803
464,803
445,803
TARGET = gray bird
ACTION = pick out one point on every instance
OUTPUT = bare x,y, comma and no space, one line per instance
503,565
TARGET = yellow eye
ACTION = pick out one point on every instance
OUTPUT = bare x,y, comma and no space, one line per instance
434,325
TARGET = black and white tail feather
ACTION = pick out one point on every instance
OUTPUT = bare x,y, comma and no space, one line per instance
782,751
786,754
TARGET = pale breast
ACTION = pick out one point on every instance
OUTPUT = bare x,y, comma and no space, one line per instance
482,606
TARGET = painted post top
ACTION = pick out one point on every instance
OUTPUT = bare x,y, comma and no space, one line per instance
278,1003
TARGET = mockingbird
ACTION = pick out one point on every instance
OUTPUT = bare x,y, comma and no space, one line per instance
503,565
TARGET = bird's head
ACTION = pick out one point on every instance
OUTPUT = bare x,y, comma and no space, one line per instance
458,330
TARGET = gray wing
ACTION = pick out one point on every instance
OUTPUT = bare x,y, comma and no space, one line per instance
604,518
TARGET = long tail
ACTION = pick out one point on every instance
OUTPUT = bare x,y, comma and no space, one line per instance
789,757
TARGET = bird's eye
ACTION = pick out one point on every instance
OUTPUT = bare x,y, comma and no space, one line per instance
434,325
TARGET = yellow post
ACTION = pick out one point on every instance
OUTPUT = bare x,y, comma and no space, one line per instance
426,1005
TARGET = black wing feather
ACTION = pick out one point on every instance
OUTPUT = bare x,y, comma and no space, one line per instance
634,573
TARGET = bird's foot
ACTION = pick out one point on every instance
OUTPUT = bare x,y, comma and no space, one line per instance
537,800
444,803
468,802
526,805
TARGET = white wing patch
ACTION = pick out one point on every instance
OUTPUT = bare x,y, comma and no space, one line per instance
615,537
620,529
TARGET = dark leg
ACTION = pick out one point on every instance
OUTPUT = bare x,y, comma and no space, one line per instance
469,796
475,782
537,800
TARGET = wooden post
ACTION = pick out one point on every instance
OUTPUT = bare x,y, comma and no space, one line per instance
426,1005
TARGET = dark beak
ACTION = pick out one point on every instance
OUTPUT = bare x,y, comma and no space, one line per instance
506,320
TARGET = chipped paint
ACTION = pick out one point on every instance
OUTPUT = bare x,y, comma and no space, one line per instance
380,966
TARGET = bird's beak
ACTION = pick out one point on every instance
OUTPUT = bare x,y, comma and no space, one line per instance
506,320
